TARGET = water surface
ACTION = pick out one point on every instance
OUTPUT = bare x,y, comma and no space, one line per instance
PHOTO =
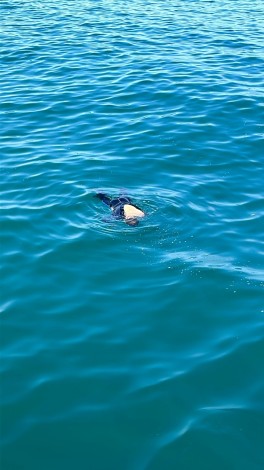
132,348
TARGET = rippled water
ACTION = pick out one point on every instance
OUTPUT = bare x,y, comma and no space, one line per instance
132,348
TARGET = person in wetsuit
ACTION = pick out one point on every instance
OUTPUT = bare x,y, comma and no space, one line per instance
122,208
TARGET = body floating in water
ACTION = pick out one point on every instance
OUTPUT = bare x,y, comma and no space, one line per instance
122,208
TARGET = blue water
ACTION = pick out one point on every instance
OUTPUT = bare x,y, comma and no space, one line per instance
132,348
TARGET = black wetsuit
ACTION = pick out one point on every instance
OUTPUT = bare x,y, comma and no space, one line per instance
116,204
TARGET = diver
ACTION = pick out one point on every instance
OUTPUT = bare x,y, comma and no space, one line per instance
122,208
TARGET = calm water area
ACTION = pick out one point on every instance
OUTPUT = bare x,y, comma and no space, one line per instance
132,348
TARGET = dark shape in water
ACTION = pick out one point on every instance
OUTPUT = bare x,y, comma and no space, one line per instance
122,208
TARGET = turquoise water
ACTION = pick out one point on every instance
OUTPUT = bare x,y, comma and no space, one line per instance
132,348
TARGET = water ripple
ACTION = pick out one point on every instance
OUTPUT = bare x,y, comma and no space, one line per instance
142,345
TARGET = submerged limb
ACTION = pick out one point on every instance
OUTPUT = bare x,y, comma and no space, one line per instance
104,198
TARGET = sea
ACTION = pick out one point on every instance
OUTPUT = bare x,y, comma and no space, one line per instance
132,347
